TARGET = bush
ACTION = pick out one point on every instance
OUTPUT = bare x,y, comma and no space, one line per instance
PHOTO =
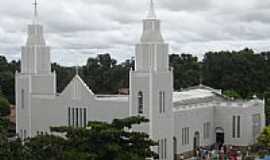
4,107
232,94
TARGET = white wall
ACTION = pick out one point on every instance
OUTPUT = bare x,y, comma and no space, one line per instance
49,111
219,114
194,118
224,117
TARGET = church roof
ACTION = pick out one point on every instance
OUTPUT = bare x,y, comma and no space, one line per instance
193,93
118,98
200,96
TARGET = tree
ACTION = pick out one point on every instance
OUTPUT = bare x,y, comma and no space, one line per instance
242,71
64,76
4,107
44,147
7,78
104,141
104,75
7,149
263,143
99,141
186,70
267,107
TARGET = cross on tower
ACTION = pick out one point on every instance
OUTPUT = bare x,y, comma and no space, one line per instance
35,5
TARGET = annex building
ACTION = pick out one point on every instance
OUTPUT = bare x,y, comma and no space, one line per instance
179,121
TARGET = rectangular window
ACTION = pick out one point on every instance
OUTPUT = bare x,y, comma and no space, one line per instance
69,122
233,126
238,127
22,98
165,148
161,149
77,117
73,117
185,136
81,118
158,148
162,102
206,130
84,117
140,102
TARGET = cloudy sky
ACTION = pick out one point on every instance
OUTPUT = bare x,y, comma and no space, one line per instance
77,29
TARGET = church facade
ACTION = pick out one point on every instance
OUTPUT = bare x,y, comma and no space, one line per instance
179,121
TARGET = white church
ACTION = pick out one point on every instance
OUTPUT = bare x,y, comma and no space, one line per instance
179,121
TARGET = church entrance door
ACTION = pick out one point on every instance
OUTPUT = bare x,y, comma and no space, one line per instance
196,142
219,136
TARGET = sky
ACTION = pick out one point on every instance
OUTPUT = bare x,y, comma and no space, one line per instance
78,29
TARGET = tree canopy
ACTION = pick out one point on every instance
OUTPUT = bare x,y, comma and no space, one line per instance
4,107
263,143
99,141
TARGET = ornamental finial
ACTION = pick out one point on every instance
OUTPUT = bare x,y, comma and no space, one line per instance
151,12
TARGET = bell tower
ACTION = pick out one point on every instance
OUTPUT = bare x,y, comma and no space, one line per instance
35,78
151,86
151,52
35,55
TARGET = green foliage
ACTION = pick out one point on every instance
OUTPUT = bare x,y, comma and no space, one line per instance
104,141
267,107
104,76
186,70
4,107
232,94
243,72
99,141
9,150
64,76
7,78
263,143
45,147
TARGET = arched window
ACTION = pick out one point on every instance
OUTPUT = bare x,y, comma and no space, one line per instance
140,102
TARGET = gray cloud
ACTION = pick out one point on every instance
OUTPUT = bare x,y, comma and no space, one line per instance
189,5
78,29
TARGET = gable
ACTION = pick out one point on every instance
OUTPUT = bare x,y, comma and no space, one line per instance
77,89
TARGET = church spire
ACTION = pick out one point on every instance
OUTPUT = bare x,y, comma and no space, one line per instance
77,70
35,20
151,12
